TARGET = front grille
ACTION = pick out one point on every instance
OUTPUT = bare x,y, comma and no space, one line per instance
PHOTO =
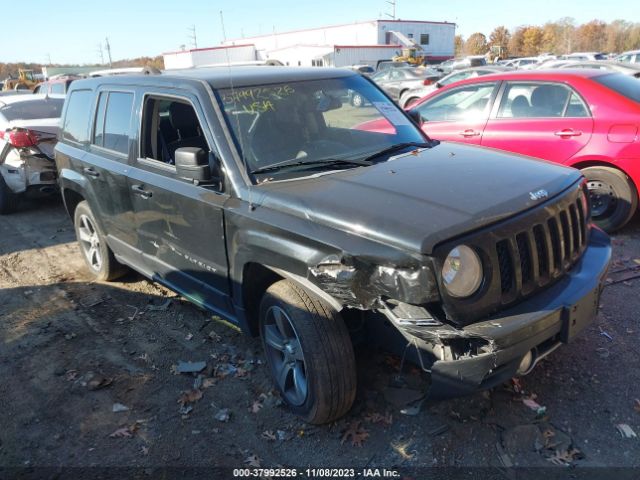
522,255
542,252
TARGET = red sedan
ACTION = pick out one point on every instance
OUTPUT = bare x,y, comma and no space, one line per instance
587,119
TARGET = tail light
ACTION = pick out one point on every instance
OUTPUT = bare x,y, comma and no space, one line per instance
20,138
427,81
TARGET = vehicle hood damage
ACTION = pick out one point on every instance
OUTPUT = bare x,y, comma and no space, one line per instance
416,201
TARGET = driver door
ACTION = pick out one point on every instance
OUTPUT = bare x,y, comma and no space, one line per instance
459,114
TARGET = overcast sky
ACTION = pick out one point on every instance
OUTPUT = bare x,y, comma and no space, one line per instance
71,31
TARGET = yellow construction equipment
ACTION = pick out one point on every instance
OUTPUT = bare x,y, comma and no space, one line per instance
26,81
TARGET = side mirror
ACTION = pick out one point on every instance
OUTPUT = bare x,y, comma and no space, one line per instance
437,85
192,163
415,116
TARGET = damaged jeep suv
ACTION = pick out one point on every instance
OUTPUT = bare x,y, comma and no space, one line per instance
260,194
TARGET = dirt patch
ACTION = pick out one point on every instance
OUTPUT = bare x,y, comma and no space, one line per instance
72,350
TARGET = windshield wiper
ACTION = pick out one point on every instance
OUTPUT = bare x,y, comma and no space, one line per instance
311,163
395,148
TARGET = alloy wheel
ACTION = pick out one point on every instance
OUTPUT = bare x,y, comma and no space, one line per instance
285,354
603,198
90,242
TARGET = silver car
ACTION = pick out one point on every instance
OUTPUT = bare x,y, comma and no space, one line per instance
624,68
28,134
411,96
396,81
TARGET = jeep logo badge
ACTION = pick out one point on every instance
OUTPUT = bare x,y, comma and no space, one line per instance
539,195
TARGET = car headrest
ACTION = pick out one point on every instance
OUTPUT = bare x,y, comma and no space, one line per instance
183,118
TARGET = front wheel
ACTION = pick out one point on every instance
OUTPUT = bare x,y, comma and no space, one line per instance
614,198
309,353
97,254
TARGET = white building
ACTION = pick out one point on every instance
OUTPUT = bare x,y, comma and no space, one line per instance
335,45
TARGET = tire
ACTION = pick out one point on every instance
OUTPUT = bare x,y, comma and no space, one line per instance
9,201
96,253
308,348
614,198
410,102
357,100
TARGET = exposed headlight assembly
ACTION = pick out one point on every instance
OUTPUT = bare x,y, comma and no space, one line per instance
462,272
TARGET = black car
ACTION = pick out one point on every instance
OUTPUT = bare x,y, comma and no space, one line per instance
261,196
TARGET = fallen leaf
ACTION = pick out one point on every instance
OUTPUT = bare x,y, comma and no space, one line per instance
354,433
241,372
517,384
636,407
401,449
253,461
99,382
189,336
145,450
190,396
256,406
122,433
376,418
71,375
268,435
566,457
208,382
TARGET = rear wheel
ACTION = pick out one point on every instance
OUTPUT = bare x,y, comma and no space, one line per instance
309,353
357,100
8,200
95,251
614,198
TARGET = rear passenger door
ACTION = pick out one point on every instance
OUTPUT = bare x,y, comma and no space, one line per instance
105,166
541,119
180,226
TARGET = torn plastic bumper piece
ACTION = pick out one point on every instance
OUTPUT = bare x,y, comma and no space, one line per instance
487,353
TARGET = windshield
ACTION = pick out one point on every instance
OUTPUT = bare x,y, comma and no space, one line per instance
314,120
32,109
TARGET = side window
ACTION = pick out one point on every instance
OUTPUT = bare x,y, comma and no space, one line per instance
424,39
465,103
112,123
576,107
169,124
57,88
76,121
522,100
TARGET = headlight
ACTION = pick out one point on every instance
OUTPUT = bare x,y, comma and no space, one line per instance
462,272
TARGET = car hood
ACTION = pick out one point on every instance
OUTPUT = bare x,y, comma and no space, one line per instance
415,201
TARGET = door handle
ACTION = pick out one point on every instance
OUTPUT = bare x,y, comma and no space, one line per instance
568,132
139,190
90,172
469,133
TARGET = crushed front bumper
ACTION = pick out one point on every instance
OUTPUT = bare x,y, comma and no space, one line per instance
538,324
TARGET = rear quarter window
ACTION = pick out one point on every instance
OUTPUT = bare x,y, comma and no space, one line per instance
623,84
76,121
33,109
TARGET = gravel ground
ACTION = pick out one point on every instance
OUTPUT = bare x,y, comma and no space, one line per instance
71,350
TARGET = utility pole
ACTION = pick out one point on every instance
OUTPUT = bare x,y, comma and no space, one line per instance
100,53
393,9
108,47
192,36
48,58
224,33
